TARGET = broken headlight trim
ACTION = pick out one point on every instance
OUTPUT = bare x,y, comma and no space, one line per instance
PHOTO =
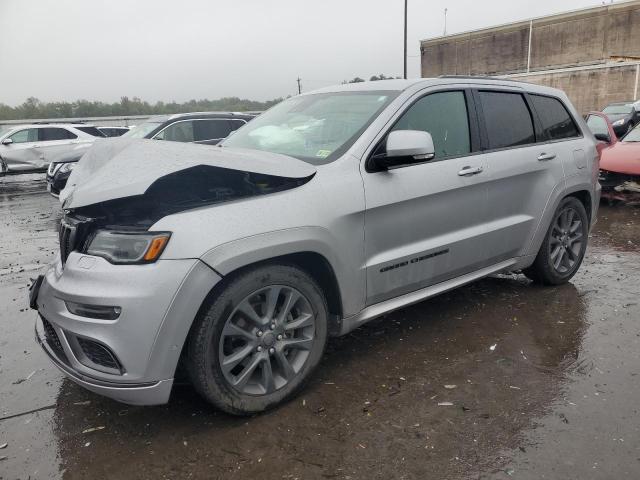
128,247
67,167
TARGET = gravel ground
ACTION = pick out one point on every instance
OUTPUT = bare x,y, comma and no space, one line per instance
417,394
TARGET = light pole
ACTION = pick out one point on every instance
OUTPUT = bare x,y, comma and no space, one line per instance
445,22
405,39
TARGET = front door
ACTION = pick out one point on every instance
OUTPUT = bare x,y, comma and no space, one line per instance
424,223
24,153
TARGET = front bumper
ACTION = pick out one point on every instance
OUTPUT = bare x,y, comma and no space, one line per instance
133,394
158,304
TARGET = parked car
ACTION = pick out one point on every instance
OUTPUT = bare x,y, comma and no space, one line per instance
188,127
205,128
113,131
61,167
331,209
619,160
32,147
623,116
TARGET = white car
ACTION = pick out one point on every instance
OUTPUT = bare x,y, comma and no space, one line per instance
31,147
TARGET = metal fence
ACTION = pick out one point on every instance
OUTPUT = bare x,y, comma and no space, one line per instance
119,121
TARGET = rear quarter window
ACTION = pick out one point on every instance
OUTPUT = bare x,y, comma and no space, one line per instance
557,123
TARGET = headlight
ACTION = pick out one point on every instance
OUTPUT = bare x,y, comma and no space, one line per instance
67,167
128,247
618,122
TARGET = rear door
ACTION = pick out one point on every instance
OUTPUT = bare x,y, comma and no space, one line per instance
55,140
522,136
211,131
424,223
24,153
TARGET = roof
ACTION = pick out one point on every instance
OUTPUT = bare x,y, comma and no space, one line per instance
401,85
377,85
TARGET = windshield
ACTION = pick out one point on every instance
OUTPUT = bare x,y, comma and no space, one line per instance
617,109
315,128
142,130
4,129
633,135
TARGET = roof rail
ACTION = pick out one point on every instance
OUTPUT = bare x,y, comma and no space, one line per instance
475,77
49,122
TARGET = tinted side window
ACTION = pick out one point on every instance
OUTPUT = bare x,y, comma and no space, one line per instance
177,132
597,125
556,121
210,129
236,124
91,131
444,116
24,136
507,119
56,134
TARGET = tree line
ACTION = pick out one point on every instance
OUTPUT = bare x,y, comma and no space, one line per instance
34,108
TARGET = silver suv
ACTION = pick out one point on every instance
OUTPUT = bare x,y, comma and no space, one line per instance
332,208
32,147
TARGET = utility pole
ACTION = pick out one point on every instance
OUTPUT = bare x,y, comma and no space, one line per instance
299,86
405,39
445,22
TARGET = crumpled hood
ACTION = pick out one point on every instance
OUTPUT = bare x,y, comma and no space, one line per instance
613,117
623,157
125,167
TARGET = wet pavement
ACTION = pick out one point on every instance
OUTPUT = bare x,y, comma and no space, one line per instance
499,379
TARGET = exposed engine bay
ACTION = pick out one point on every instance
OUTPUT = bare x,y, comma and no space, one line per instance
620,187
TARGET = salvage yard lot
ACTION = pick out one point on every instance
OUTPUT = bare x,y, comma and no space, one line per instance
498,379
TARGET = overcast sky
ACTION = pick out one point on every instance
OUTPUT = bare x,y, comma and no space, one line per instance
183,49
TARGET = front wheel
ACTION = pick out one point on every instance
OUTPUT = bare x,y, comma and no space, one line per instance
254,345
564,246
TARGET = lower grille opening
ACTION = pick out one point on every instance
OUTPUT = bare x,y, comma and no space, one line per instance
52,339
99,354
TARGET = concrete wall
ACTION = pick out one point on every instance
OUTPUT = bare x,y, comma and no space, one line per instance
584,37
590,88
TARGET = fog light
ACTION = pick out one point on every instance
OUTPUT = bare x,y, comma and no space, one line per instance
93,311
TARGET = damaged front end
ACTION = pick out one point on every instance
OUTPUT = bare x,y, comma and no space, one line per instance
187,189
125,186
620,187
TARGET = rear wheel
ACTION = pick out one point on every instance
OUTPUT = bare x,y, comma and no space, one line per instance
258,340
564,246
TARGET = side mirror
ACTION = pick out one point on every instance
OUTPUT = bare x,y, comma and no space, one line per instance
406,147
7,141
603,137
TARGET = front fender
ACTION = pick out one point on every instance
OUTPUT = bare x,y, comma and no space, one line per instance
236,254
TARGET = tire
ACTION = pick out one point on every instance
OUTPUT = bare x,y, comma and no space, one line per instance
278,351
564,245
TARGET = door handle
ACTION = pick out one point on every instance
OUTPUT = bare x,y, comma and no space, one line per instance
546,156
467,171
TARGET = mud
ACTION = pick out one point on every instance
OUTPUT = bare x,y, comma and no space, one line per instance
557,397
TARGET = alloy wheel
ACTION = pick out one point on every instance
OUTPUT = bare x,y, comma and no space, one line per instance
266,340
566,241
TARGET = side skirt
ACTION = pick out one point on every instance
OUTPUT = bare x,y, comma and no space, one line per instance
373,311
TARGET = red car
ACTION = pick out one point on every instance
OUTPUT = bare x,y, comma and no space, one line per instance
619,159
